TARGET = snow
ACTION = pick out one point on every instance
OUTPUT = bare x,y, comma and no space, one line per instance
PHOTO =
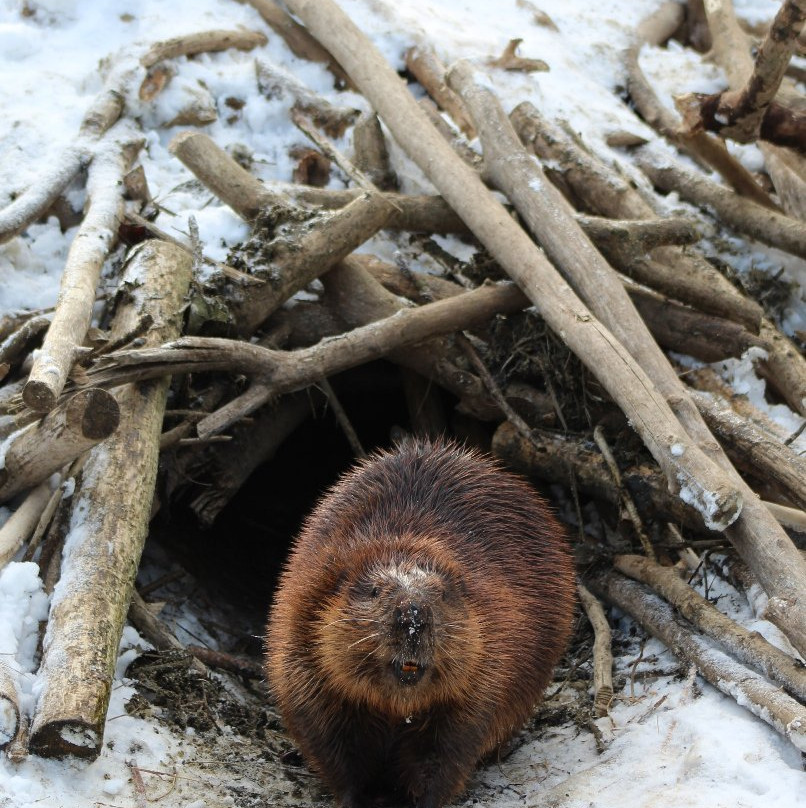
671,742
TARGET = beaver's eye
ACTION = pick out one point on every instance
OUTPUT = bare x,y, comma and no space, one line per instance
374,592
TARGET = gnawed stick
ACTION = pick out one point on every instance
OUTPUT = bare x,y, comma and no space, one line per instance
40,449
602,653
101,115
21,524
91,600
747,646
691,473
744,215
746,687
202,42
371,154
82,271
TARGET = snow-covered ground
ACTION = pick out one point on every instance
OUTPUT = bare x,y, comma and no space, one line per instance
672,741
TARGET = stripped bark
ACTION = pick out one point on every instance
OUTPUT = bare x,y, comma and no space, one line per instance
91,600
42,448
101,115
747,646
96,236
202,42
746,687
22,523
602,654
518,255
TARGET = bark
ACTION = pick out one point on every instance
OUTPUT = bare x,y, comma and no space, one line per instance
695,476
745,686
202,42
673,272
42,448
95,238
90,602
744,215
602,655
748,647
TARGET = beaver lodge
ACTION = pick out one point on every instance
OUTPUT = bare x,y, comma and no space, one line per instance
243,248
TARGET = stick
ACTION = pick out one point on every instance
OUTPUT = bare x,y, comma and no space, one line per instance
102,113
602,655
749,689
37,451
202,42
747,646
744,215
751,112
424,64
21,524
9,705
654,30
96,236
755,450
693,280
247,196
89,606
695,476
302,44
371,155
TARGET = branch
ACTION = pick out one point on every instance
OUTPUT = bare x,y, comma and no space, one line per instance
21,524
202,42
602,654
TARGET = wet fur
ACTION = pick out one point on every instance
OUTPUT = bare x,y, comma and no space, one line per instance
482,552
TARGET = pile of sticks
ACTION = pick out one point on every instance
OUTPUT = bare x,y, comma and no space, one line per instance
618,285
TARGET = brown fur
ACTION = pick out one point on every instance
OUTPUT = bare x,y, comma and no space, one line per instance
425,604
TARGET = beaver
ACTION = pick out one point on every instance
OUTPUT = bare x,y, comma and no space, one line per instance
425,603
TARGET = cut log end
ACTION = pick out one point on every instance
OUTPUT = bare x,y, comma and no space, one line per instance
39,396
94,413
59,739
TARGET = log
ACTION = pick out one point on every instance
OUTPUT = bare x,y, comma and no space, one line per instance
748,647
35,452
96,236
9,707
746,687
92,597
695,477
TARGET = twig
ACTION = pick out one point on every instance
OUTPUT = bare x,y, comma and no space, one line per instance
96,236
202,42
519,256
344,421
228,662
749,689
623,493
602,654
88,609
747,646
